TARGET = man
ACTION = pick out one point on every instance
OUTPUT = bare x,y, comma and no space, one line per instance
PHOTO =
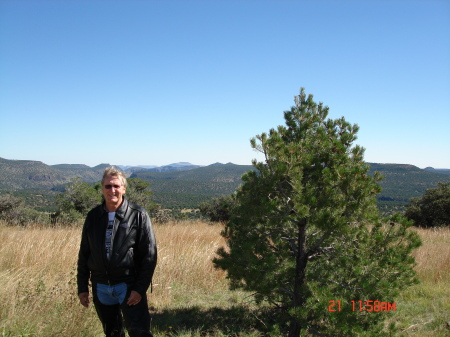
118,254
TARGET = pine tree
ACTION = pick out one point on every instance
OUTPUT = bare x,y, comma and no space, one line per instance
306,230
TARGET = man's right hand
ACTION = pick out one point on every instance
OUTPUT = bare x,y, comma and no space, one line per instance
84,299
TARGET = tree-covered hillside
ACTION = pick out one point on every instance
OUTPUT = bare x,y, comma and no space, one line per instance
187,189
16,175
402,182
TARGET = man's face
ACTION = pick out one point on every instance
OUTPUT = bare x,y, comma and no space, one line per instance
113,191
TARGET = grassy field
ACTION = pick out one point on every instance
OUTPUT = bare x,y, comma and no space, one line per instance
190,298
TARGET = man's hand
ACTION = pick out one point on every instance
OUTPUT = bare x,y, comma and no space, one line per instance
84,299
134,298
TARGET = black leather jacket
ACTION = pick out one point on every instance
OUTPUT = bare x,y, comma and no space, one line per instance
133,249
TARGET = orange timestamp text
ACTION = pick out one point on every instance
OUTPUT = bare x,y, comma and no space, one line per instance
364,306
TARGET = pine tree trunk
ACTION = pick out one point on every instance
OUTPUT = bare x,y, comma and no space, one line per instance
294,328
300,268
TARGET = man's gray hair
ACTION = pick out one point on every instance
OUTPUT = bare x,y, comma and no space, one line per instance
115,172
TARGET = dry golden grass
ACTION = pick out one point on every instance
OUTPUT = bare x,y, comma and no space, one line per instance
433,258
37,282
38,290
185,251
424,309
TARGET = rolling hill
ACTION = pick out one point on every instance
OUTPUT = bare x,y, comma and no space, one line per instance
16,175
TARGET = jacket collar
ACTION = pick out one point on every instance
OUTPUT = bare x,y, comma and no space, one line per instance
120,211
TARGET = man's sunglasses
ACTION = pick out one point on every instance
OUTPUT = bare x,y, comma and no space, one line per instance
108,187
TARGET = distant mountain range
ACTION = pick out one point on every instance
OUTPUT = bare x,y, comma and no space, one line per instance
184,185
182,166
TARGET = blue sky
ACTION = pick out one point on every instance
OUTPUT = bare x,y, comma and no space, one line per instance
156,82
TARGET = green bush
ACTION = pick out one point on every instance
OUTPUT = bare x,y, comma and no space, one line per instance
14,212
218,209
432,209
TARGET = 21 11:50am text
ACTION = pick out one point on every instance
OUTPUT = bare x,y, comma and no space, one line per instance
364,306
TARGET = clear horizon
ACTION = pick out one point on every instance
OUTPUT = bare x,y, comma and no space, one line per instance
160,82
174,163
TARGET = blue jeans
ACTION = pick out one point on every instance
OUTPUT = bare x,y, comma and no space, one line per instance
114,312
110,295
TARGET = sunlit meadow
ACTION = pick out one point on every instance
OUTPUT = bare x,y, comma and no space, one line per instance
190,297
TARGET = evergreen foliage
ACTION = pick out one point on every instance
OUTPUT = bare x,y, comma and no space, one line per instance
218,209
432,209
306,229
138,192
79,196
